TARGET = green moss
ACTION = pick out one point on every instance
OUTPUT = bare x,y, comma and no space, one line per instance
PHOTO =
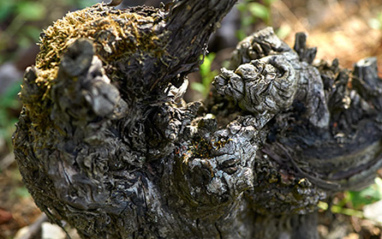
117,35
200,148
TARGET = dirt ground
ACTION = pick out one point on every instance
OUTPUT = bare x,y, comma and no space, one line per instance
340,29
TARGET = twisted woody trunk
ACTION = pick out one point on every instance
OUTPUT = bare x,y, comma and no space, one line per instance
105,142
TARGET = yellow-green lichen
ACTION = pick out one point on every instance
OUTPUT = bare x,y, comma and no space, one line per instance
116,35
200,148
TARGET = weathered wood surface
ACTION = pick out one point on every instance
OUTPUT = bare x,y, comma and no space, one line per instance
105,143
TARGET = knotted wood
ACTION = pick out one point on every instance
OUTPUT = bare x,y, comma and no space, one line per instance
103,143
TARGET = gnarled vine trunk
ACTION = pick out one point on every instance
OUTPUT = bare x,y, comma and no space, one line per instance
106,143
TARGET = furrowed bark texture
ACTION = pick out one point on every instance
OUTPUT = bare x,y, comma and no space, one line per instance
106,143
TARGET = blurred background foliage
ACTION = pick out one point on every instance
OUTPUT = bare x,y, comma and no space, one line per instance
21,22
252,12
347,29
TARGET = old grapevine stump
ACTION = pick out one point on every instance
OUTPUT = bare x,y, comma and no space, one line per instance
105,143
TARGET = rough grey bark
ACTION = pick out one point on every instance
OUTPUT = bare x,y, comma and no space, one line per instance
105,142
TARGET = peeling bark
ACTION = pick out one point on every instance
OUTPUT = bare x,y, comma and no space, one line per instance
103,143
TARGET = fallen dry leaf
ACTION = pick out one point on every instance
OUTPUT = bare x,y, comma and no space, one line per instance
5,216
